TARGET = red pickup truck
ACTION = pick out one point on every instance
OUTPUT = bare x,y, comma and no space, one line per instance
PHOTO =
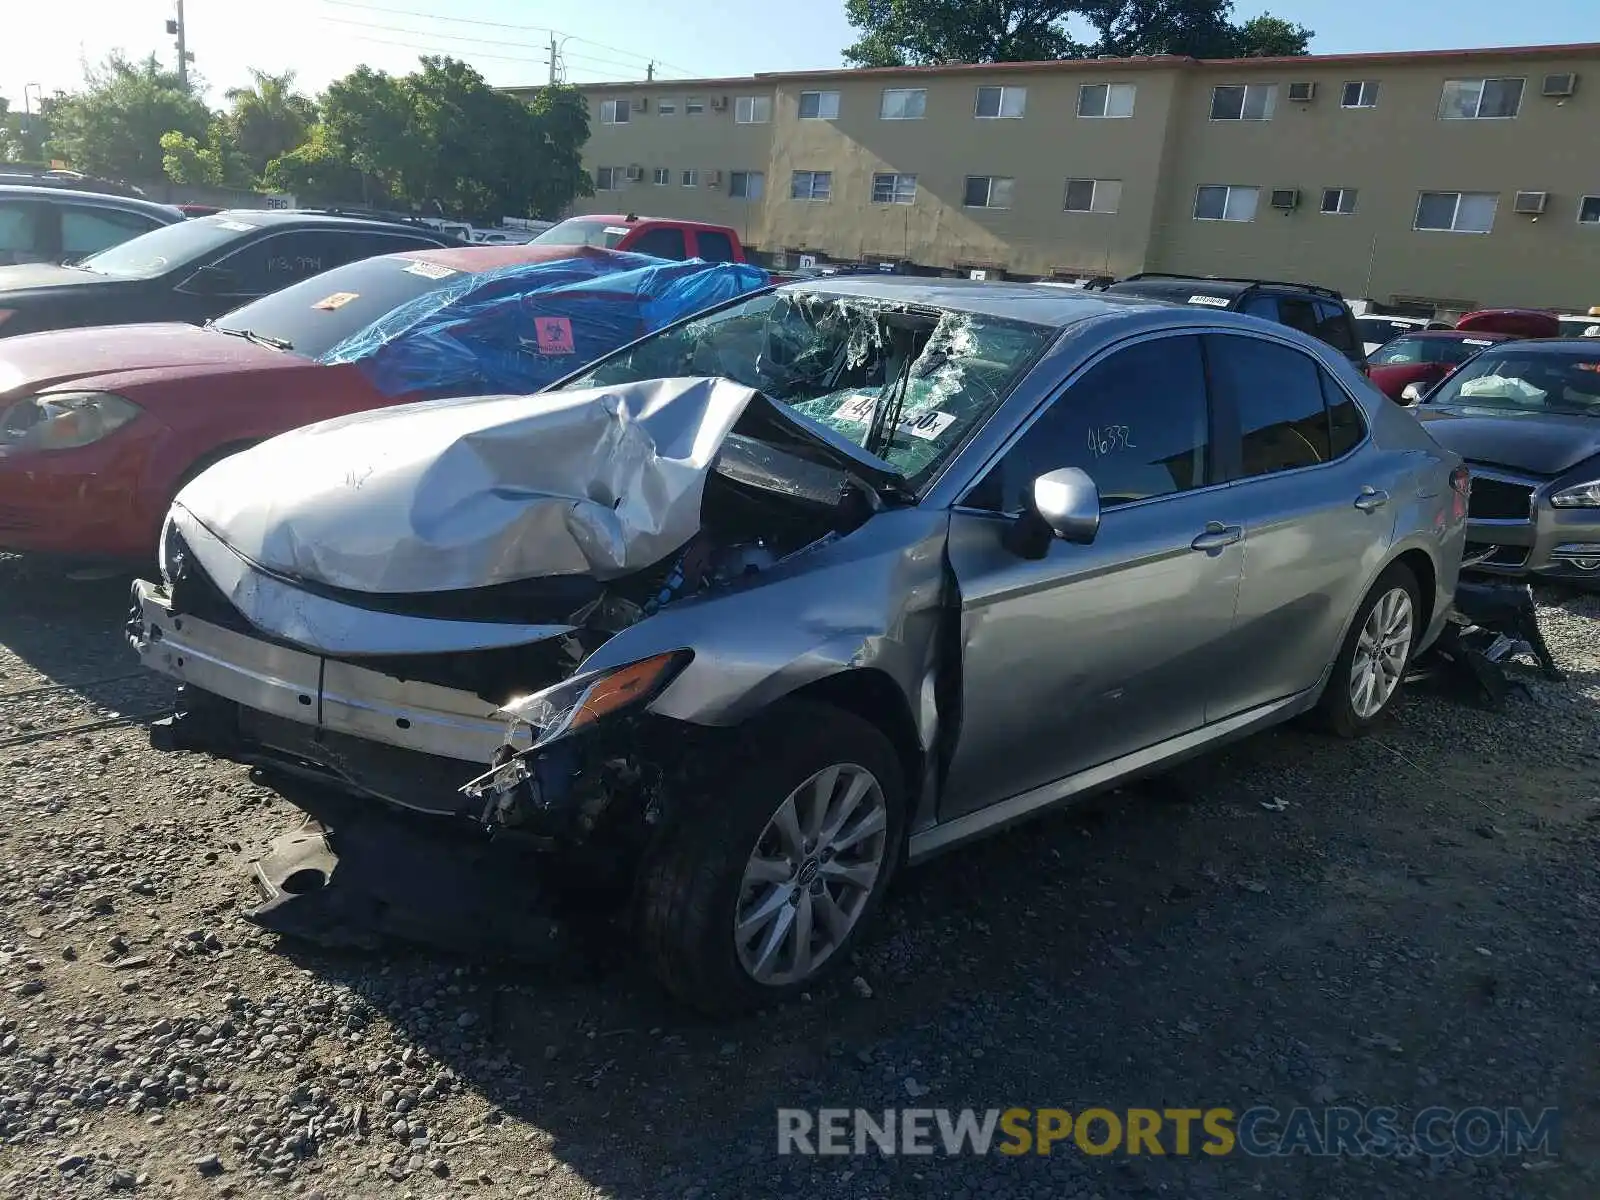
659,236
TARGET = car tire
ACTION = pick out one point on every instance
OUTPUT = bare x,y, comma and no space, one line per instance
733,885
1377,652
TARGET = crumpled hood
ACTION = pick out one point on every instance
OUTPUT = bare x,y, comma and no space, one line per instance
452,494
107,354
1538,442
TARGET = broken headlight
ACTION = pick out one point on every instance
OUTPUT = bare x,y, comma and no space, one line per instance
171,554
584,699
1583,495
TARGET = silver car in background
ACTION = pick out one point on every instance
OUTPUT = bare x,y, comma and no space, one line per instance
822,582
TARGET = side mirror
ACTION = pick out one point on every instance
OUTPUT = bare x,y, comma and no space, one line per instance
213,281
1065,504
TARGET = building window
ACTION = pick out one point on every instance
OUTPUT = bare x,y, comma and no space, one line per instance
1244,102
903,104
1105,100
819,106
752,110
1360,93
1457,212
666,107
988,191
1480,99
746,185
693,106
1218,202
690,178
894,189
662,176
1000,102
609,179
1093,195
811,185
1589,210
614,112
1339,201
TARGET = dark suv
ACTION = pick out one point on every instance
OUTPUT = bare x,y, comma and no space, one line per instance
1319,311
55,224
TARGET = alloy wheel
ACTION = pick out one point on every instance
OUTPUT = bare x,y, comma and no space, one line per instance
1382,652
811,874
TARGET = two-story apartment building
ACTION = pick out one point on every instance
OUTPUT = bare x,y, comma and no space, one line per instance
1462,177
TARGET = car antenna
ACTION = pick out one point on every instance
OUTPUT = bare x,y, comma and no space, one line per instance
631,217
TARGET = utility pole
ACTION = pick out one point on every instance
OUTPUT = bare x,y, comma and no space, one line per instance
552,60
650,73
176,28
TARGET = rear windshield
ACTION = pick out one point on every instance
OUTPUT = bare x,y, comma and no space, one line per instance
1381,329
1409,351
316,314
161,250
583,231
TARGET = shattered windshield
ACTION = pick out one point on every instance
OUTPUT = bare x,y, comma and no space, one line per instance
906,384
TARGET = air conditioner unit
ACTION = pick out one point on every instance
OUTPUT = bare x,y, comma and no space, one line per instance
1286,198
718,103
642,103
635,174
1531,204
713,178
1560,85
1302,92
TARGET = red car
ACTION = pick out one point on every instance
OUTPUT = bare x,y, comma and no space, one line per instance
100,428
1424,358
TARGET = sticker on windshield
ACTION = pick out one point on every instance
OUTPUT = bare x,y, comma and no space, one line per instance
1209,301
1476,342
619,230
337,300
928,425
429,270
857,410
554,334
236,226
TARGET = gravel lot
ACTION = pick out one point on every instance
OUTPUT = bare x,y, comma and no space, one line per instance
1409,920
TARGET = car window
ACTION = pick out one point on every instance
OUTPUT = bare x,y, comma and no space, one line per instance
1562,379
662,241
713,246
1278,396
1347,426
1265,307
19,233
90,230
283,258
183,245
1334,326
1137,422
583,231
1299,314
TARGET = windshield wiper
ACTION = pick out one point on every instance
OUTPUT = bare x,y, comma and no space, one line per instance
250,335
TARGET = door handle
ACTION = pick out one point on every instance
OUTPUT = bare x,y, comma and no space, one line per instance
1371,499
1217,535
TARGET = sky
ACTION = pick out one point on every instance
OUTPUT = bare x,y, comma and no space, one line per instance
507,40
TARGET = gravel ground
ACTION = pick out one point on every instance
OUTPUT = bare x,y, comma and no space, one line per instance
1409,920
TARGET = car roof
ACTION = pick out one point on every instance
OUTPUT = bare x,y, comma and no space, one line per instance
622,219
1459,335
99,199
311,219
1036,303
480,257
1551,346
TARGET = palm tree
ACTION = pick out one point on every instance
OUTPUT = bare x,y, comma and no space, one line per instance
269,117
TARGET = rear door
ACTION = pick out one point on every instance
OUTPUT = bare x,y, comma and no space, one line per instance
1315,507
28,233
713,245
88,229
659,241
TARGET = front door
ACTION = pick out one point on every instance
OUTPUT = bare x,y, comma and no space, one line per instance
1317,513
1099,650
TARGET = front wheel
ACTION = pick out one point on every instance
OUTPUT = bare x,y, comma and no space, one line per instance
1376,653
758,890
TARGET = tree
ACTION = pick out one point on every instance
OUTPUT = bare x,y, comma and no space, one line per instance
114,126
919,32
1268,36
318,171
185,160
268,118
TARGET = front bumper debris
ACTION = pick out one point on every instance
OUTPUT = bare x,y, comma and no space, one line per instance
1491,623
369,879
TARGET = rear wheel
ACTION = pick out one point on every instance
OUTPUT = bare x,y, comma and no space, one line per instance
759,890
1376,653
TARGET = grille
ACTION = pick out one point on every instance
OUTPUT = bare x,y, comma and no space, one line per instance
1498,500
